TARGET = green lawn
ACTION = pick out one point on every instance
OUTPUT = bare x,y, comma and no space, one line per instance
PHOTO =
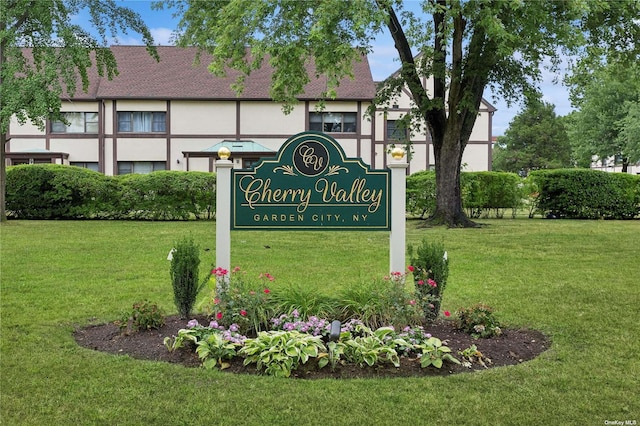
578,281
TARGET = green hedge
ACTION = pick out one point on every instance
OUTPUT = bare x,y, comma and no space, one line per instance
167,195
50,191
586,194
483,193
421,193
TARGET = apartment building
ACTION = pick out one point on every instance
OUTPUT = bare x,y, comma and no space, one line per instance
175,115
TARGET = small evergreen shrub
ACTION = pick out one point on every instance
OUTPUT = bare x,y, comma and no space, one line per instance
430,268
184,275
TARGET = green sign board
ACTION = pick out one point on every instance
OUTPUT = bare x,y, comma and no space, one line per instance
310,185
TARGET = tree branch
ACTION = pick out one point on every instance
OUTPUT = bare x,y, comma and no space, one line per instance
434,116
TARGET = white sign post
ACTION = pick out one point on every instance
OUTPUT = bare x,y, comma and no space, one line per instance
223,209
397,240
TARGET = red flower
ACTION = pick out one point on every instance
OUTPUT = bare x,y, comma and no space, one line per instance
267,291
219,315
243,313
432,283
447,313
421,282
411,268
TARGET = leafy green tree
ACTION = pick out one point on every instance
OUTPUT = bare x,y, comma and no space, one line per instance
536,139
464,45
606,123
58,58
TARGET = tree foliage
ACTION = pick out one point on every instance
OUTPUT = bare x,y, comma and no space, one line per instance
536,139
59,56
606,123
465,46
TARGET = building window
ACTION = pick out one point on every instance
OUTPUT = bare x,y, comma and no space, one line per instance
142,122
397,130
86,165
333,122
79,122
140,167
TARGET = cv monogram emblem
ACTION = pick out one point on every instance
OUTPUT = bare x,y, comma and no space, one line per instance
311,158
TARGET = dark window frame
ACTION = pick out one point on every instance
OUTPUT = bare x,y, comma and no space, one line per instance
126,121
334,122
59,127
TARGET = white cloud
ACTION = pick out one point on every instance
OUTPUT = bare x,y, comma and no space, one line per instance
383,61
162,36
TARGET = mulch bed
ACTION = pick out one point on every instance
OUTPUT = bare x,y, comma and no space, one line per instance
510,348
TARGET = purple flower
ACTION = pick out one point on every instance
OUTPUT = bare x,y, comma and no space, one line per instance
233,328
193,323
213,324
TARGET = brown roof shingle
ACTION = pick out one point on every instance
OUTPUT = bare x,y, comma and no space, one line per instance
177,77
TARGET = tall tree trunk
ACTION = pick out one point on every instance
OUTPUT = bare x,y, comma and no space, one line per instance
448,157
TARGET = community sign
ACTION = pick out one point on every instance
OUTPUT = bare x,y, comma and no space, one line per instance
310,185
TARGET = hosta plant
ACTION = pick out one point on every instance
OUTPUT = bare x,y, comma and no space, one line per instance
370,347
333,356
434,352
214,350
280,352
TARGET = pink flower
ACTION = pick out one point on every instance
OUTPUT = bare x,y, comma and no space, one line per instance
412,302
219,315
266,291
269,276
421,282
236,269
432,283
219,272
252,293
447,313
216,301
243,313
411,268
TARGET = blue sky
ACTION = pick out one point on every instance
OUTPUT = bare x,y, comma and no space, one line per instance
382,61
